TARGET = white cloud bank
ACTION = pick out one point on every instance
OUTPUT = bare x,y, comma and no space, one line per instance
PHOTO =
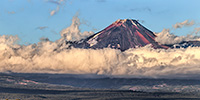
50,57
45,57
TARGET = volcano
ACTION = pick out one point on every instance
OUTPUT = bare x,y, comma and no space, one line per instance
122,34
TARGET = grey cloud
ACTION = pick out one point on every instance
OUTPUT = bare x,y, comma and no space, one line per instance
44,39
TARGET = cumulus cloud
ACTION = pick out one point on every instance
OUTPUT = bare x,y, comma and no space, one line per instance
73,33
165,37
9,39
185,23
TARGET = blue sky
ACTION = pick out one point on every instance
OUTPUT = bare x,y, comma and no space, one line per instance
32,19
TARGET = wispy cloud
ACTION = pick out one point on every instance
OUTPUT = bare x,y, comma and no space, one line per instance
101,0
53,1
185,23
53,12
42,27
58,3
197,30
141,9
29,0
142,21
11,12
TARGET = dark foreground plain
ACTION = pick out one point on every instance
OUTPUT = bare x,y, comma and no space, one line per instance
90,94
15,87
